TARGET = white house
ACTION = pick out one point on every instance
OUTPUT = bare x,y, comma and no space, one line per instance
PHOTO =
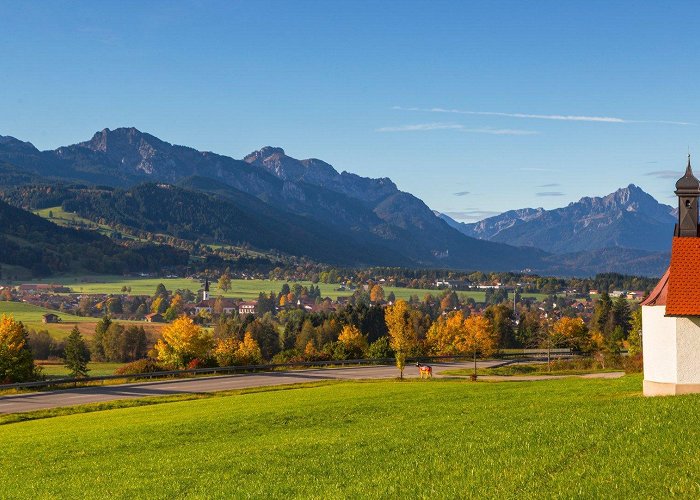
671,313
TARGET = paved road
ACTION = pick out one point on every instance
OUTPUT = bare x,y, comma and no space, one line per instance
95,394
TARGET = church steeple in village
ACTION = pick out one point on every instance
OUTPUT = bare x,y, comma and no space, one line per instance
688,191
205,294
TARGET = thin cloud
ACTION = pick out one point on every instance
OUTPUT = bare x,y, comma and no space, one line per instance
664,174
575,118
536,169
500,131
422,127
472,215
550,193
552,185
461,193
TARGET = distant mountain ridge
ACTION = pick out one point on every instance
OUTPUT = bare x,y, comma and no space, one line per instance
628,218
306,207
372,212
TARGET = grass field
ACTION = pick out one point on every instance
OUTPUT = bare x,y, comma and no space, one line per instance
525,369
568,438
30,315
246,289
96,369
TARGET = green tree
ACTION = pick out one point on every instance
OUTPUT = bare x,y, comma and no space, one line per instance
98,351
76,354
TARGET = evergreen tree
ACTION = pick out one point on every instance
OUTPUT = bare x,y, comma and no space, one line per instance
621,315
101,328
76,355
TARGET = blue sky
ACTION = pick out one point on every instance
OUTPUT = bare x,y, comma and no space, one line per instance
475,107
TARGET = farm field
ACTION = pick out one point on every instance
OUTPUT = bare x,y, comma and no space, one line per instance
442,438
240,288
30,315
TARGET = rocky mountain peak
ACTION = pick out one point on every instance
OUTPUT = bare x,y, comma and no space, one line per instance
263,154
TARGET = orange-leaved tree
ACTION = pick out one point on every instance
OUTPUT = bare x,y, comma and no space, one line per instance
16,363
475,336
402,335
376,294
183,341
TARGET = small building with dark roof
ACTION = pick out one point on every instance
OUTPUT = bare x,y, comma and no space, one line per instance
50,318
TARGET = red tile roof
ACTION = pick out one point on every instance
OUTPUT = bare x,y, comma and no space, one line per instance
683,297
658,295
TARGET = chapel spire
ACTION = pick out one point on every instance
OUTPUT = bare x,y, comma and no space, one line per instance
688,191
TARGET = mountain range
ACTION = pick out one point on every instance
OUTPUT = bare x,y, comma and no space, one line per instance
628,218
272,201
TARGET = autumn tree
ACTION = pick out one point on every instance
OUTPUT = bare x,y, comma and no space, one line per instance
225,281
402,336
249,352
443,333
572,332
175,308
634,339
353,340
476,337
76,355
376,295
16,363
183,341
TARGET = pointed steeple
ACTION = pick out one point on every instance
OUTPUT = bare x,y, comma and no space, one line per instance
688,182
688,191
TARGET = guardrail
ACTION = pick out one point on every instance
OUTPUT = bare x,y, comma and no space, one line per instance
266,367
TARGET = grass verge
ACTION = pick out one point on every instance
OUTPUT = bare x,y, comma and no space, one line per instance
443,438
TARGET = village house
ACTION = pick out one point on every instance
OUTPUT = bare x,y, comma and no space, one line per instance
671,313
245,308
50,318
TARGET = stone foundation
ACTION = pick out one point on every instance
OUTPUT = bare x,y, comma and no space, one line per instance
669,389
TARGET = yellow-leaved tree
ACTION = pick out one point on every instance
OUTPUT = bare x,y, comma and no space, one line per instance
183,341
225,351
572,332
443,332
353,340
475,336
16,363
248,352
402,335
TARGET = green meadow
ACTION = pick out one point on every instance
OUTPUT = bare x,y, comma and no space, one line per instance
570,438
240,288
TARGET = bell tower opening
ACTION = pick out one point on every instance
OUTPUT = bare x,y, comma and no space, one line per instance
688,191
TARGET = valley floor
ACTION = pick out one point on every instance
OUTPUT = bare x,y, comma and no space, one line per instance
444,438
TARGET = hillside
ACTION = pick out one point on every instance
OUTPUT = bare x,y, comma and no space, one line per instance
35,244
370,218
628,218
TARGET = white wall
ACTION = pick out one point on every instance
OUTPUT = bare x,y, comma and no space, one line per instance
688,350
659,345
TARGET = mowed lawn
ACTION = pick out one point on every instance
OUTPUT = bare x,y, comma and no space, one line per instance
240,288
571,438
